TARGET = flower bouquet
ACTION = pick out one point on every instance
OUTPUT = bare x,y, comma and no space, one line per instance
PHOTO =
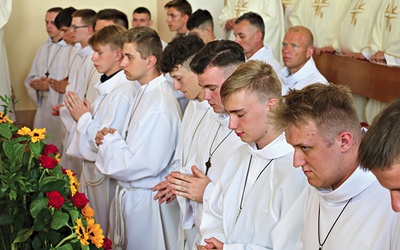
41,206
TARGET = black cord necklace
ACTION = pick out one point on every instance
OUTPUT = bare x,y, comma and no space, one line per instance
334,223
210,154
52,59
245,182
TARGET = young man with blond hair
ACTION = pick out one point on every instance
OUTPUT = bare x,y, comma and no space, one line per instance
141,156
262,166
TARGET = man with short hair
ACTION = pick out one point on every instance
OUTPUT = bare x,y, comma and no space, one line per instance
213,65
107,17
249,32
300,69
271,12
380,153
141,16
63,23
380,150
175,61
47,65
262,166
201,22
344,207
142,155
178,13
115,101
82,76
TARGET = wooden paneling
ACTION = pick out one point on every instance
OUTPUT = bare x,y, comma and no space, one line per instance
368,79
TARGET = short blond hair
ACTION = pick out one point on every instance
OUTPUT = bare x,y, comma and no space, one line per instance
109,35
253,76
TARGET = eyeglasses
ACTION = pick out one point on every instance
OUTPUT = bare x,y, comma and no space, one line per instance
73,27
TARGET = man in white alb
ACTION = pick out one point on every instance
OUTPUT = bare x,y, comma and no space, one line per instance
300,69
236,216
47,65
249,32
271,12
344,207
110,109
141,157
213,64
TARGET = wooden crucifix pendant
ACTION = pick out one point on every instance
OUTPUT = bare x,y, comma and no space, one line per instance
47,74
208,164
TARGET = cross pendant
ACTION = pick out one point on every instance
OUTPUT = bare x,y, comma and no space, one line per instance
208,164
320,247
47,74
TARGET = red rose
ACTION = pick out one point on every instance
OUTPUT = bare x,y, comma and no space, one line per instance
107,244
47,161
55,199
79,200
50,149
64,170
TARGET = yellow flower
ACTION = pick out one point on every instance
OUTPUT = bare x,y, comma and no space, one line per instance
73,182
38,134
24,131
87,212
4,119
95,233
58,157
80,230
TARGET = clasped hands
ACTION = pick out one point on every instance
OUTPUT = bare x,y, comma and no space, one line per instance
188,186
75,105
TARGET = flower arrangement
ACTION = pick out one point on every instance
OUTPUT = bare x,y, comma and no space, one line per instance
41,206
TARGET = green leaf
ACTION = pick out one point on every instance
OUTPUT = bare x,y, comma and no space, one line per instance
54,237
55,185
36,148
60,219
46,180
5,130
38,205
36,243
39,225
6,219
85,247
74,215
65,247
23,234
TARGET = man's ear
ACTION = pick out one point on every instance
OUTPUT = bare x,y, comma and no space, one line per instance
151,23
186,18
151,61
118,54
90,29
346,140
259,36
271,103
310,51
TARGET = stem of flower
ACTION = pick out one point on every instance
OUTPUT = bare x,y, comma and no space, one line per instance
73,235
44,171
30,161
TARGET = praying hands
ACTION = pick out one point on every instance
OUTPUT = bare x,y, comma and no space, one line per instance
189,186
76,106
